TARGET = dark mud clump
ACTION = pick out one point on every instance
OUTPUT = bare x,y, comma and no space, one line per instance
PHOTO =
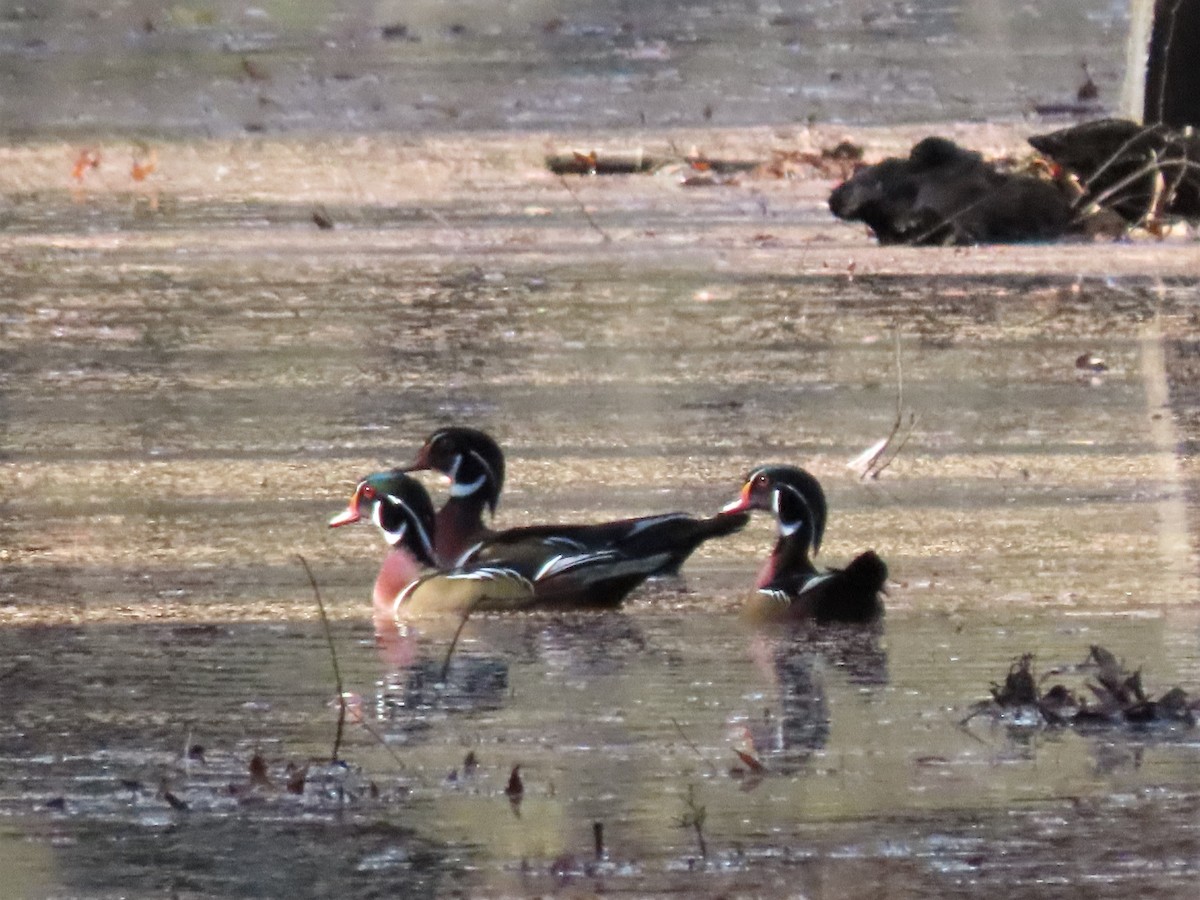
944,194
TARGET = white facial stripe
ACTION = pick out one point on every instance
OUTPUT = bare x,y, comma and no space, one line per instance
789,528
466,489
487,468
414,519
457,489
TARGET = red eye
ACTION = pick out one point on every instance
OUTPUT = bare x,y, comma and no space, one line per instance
367,492
760,480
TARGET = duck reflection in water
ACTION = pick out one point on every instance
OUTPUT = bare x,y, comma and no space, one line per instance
797,660
473,682
419,686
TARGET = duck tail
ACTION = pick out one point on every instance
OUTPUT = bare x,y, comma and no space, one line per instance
690,533
868,571
720,525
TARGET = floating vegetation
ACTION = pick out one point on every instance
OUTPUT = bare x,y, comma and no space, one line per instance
1109,696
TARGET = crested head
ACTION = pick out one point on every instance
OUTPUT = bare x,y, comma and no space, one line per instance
793,495
470,458
400,506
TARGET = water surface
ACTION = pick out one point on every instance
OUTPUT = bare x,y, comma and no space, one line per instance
195,376
218,68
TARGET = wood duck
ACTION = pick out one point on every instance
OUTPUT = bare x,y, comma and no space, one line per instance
790,586
474,463
514,574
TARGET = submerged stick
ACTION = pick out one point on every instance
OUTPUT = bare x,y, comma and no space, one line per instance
379,739
337,672
583,209
693,818
704,759
454,643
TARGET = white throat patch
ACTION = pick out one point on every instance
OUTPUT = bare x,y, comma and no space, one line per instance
786,529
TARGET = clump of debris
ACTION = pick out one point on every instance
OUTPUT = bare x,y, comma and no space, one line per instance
1111,695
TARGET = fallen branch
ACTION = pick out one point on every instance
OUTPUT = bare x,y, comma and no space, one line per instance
631,162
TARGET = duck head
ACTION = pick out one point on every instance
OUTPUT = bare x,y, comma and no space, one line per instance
400,506
470,458
794,496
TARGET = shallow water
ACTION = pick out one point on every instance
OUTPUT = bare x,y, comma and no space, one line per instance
871,783
218,68
194,380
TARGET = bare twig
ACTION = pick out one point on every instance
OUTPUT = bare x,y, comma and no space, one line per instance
1154,166
704,759
337,672
913,419
1168,196
693,817
947,220
976,709
899,374
965,725
877,458
1119,153
454,642
1166,55
583,209
382,743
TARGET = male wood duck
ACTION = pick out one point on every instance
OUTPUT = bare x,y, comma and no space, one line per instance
790,586
535,571
474,463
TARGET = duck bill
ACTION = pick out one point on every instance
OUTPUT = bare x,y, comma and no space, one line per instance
350,514
741,504
420,462
345,518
